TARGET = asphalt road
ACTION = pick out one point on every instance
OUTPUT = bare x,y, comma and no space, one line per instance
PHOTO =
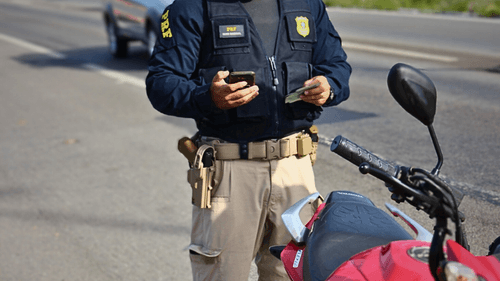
445,33
91,184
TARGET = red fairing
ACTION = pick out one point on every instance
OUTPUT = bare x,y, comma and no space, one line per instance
347,272
293,267
399,260
292,256
487,267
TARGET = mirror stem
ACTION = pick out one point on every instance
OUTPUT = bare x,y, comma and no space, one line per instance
438,151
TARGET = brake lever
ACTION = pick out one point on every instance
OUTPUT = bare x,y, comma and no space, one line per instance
455,192
419,197
366,168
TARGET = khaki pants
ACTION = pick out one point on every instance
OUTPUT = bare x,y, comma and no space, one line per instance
245,219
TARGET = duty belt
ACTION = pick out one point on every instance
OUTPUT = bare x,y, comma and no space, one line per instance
297,144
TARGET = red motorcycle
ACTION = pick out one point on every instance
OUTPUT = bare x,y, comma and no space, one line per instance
349,238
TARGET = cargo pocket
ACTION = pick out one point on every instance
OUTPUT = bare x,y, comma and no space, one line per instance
296,73
211,227
209,231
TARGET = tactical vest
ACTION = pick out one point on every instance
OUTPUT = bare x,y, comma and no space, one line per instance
233,44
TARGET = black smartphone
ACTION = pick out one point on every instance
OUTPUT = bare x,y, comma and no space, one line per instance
238,76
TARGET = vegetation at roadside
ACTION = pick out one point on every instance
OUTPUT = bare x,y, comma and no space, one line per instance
484,8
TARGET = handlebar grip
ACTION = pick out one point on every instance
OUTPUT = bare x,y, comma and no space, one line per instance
357,155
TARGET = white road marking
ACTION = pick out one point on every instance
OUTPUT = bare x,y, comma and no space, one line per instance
398,52
30,46
118,76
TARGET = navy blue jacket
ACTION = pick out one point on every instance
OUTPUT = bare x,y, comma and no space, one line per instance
201,37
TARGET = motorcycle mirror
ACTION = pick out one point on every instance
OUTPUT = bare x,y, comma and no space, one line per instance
414,91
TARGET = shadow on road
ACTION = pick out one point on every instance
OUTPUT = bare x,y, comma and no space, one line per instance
494,69
98,55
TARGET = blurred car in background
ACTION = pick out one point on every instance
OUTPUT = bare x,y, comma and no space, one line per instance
132,20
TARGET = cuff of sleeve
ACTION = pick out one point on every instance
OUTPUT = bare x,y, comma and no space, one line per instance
204,101
335,89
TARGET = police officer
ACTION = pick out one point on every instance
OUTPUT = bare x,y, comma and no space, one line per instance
258,137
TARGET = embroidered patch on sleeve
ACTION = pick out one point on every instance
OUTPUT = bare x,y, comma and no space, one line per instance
165,26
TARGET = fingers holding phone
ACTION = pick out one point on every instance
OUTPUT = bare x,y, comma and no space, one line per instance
239,76
240,90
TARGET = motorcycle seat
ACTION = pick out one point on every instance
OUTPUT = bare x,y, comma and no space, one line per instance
349,224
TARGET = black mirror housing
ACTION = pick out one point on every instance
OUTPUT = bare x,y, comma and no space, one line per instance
414,91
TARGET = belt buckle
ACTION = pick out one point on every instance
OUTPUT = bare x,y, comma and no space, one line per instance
273,149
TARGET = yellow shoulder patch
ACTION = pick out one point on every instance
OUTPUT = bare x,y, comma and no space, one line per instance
166,31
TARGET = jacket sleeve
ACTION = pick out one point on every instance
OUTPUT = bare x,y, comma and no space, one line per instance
170,86
328,58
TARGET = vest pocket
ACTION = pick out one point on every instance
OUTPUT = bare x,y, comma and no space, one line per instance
296,73
301,31
258,108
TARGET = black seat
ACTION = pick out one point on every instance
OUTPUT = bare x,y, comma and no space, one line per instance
350,223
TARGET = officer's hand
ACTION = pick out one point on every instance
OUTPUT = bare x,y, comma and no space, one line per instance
318,95
227,96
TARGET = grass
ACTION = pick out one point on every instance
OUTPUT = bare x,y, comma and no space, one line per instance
483,8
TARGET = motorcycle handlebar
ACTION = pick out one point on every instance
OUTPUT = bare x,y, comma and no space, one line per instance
404,179
358,155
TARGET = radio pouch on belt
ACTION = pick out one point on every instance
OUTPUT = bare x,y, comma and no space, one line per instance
200,176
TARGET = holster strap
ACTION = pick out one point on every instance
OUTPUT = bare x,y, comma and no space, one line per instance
264,150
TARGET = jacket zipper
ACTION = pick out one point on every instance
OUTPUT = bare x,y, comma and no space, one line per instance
276,82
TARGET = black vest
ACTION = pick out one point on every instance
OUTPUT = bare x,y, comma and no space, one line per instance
233,44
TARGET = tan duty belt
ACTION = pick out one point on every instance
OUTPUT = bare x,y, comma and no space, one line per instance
296,144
